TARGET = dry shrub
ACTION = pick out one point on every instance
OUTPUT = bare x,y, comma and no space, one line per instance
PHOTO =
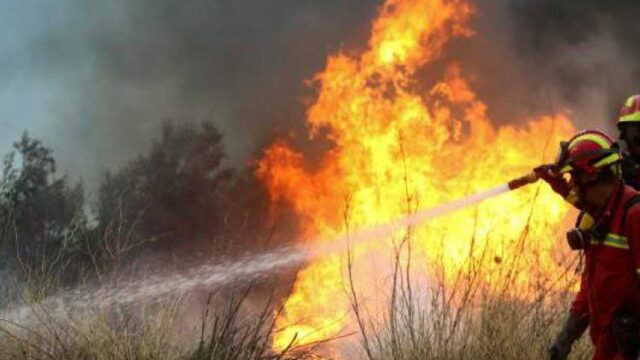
468,318
228,330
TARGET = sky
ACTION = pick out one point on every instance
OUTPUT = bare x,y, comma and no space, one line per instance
28,86
95,79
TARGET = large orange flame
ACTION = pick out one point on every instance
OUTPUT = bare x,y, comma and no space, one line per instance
397,147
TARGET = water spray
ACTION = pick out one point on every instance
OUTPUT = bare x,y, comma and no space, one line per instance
248,268
382,230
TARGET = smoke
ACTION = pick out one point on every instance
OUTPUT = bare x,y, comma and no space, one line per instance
130,65
535,57
125,66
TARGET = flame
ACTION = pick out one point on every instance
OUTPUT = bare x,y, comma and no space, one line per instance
398,146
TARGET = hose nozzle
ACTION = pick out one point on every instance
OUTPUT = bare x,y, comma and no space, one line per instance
522,181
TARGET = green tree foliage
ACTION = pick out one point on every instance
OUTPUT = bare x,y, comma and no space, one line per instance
41,215
179,192
178,197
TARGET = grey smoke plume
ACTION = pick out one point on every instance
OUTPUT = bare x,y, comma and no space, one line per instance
127,65
549,55
130,65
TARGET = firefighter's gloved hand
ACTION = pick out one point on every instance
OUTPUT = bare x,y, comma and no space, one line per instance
625,330
550,175
556,352
572,330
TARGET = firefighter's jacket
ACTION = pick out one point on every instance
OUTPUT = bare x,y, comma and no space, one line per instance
610,281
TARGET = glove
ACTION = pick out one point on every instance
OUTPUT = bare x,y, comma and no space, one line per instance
556,353
572,330
549,174
625,330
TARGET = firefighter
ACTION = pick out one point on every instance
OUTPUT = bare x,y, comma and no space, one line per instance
589,169
629,127
628,124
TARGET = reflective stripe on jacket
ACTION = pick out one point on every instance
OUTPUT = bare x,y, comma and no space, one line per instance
610,281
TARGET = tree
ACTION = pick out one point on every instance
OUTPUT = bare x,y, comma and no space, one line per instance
40,214
176,193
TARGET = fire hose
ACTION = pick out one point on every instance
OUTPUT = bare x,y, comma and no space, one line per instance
527,179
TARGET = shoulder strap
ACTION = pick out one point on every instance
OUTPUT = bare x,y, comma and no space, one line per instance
634,200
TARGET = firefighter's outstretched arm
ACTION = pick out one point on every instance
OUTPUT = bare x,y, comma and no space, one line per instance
549,173
575,324
572,330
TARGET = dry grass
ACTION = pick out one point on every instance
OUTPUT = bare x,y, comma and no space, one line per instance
439,321
501,330
226,329
467,318
102,338
442,323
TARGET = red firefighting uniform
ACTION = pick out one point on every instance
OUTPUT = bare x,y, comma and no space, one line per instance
611,279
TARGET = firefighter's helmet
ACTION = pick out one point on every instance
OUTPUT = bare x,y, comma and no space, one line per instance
589,151
630,111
